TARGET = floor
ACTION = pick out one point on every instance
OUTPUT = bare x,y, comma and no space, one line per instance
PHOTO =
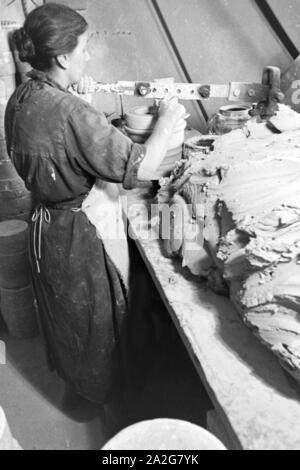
32,397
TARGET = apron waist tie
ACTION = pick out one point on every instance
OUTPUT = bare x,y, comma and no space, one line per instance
41,215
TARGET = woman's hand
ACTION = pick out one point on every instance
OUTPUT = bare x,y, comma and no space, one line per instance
84,88
171,115
172,111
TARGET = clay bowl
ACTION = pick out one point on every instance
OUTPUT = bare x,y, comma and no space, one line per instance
145,117
172,157
141,135
141,117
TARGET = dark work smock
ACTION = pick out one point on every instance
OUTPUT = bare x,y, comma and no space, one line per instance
59,145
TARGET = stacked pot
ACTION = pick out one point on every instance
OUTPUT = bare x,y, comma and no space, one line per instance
15,200
16,294
17,300
140,122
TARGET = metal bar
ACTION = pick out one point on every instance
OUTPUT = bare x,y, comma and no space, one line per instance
277,27
233,91
176,51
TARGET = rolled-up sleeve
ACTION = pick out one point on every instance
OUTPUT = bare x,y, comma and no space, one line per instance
100,149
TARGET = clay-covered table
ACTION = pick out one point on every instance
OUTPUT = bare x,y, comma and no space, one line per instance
257,406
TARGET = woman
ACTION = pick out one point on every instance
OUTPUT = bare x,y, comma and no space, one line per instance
60,145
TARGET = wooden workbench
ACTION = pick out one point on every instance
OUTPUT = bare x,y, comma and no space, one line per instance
257,405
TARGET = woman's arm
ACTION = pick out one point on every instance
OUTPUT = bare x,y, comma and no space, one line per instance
170,113
106,153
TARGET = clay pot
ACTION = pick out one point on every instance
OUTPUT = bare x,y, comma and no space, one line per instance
140,122
3,151
19,312
229,118
15,201
14,258
7,170
13,236
19,208
141,117
168,163
7,76
138,136
141,135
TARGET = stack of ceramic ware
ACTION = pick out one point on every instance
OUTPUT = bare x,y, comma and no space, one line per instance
140,122
15,200
17,300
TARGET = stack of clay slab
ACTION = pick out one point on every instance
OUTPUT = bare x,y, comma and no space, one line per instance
140,122
15,200
7,442
238,225
17,300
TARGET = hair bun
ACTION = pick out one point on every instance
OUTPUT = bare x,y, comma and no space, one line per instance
24,45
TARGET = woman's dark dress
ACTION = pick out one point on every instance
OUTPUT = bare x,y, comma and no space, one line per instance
59,145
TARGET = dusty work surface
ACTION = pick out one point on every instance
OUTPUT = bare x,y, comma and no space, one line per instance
256,400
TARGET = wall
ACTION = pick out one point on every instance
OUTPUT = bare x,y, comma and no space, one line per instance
128,44
289,13
217,40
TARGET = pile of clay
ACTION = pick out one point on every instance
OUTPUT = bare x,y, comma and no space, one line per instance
237,222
